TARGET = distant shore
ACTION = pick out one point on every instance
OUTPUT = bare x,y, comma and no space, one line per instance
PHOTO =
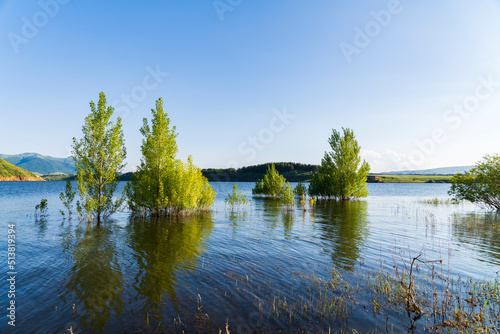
253,177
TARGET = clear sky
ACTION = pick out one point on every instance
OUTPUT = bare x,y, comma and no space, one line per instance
249,82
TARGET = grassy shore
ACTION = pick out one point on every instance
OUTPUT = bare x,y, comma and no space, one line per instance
378,178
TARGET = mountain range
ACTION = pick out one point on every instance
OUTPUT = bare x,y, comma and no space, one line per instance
41,164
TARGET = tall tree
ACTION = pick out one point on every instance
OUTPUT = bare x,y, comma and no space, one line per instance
164,185
99,156
149,188
341,175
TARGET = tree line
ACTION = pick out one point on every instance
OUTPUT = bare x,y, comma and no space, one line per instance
164,185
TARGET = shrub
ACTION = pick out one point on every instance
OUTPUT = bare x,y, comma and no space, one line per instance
236,198
271,185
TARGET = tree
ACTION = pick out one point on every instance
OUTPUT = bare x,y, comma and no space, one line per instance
300,189
341,175
99,157
288,198
149,187
164,185
480,185
67,198
236,198
271,185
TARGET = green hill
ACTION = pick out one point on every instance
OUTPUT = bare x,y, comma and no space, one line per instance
41,164
10,172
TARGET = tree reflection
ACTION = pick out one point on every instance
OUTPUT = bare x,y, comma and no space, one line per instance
343,227
482,231
165,250
273,214
96,277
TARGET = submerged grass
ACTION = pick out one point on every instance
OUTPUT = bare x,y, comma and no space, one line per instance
439,201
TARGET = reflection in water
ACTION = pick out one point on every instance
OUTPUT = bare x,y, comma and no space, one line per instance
343,228
481,231
96,278
41,225
274,214
165,250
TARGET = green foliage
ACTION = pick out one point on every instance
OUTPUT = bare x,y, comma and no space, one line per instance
236,198
480,185
287,198
300,189
271,185
341,175
99,156
67,198
42,208
164,185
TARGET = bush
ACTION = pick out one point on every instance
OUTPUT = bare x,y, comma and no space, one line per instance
42,208
287,198
236,198
271,185
480,185
300,189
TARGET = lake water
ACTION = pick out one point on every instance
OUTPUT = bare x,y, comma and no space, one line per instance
258,268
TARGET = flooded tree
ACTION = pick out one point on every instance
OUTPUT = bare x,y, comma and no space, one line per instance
164,185
271,185
341,175
99,156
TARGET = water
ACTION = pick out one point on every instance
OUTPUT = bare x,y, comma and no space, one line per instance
195,274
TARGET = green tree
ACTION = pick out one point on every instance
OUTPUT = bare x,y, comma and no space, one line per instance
99,157
341,175
300,189
67,198
236,198
164,185
480,185
149,187
42,208
288,198
271,185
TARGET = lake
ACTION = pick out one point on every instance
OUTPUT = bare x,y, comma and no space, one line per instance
256,269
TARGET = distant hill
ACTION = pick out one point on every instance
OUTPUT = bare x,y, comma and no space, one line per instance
10,172
434,171
41,164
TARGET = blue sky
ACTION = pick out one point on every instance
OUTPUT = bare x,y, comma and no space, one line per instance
248,82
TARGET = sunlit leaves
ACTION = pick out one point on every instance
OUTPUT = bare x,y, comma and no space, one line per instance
99,156
341,175
480,185
164,185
